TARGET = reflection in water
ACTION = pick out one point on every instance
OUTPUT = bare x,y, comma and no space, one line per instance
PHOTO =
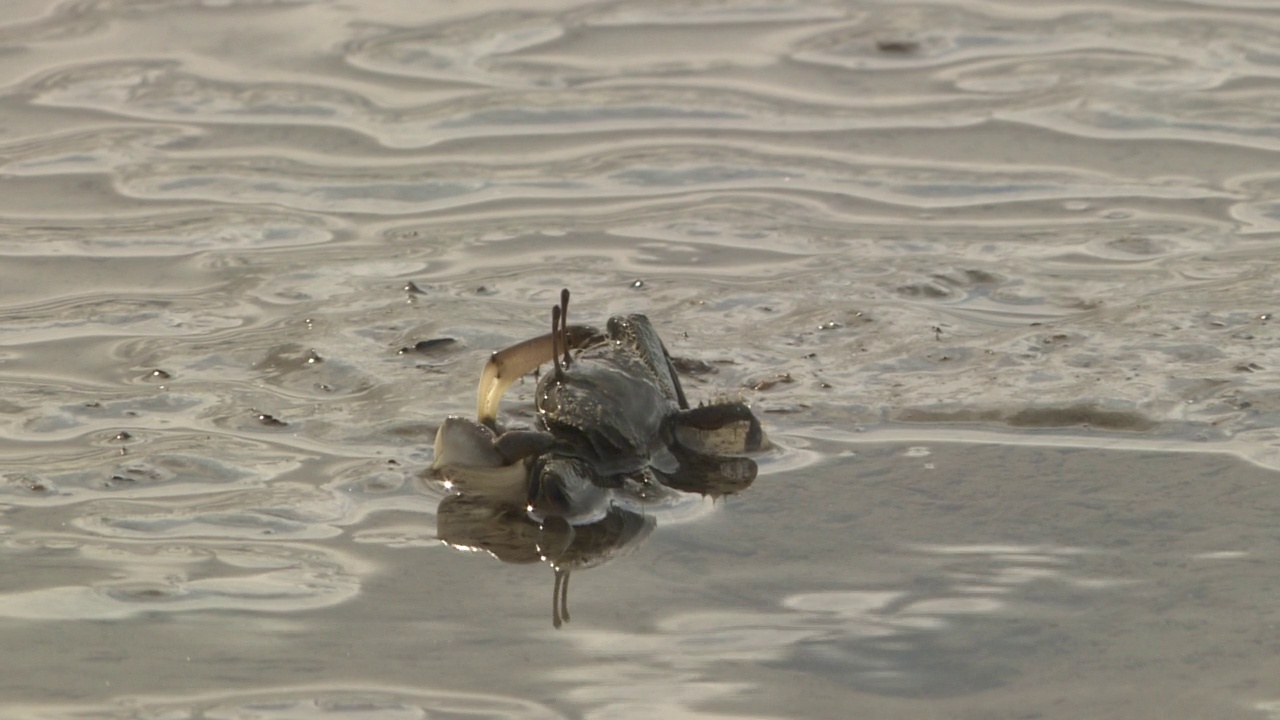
509,534
487,510
133,579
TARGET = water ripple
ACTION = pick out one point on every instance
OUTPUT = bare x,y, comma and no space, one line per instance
332,702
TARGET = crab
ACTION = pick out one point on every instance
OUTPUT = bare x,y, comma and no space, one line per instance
612,416
613,429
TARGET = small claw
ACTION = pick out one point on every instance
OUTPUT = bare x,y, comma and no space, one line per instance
514,445
707,420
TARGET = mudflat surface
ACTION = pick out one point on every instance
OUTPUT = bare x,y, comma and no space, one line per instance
988,272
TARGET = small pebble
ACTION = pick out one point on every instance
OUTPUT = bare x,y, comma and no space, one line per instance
270,421
428,346
898,47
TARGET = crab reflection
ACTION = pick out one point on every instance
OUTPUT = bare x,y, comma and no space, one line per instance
486,512
614,433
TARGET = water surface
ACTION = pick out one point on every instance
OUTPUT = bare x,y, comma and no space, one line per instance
1043,231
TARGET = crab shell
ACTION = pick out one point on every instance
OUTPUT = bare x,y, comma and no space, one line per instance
614,399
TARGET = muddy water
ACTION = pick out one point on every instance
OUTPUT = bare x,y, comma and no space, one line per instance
998,277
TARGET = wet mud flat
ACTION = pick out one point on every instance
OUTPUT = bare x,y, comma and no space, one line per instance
930,579
222,222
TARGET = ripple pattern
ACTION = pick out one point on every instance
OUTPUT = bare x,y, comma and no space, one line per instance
228,224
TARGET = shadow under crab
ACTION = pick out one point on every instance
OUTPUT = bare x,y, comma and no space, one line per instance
614,432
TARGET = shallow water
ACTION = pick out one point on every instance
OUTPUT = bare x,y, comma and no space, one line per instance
1044,231
938,580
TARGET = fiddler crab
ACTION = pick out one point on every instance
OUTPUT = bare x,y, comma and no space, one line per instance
613,430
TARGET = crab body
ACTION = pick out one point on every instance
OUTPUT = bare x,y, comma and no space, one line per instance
612,422
610,405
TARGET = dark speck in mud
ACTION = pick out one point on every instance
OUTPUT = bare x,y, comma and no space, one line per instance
429,346
122,436
313,357
412,288
158,374
830,325
898,47
270,421
1248,367
637,284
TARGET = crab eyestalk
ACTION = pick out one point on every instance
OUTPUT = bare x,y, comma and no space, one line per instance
556,338
564,324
